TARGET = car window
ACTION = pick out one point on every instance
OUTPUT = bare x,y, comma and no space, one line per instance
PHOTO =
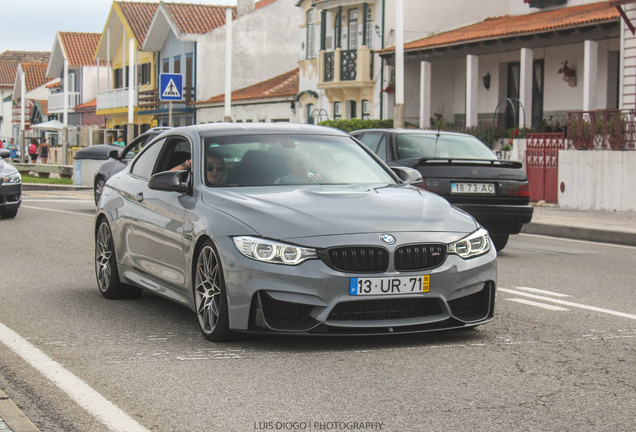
371,141
145,163
136,145
431,146
381,151
176,151
259,160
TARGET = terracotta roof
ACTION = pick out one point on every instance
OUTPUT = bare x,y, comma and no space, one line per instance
263,3
80,47
44,106
8,70
55,84
139,16
519,24
283,85
34,75
26,56
88,106
197,18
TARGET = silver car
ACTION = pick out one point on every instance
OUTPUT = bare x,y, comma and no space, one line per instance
289,228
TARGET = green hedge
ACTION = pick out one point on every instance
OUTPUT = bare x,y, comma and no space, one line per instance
356,124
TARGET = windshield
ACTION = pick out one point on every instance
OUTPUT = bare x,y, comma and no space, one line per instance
428,146
263,160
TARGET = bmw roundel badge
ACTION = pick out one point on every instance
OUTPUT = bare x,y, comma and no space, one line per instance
387,238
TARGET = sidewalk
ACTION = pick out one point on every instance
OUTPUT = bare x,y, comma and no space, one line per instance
592,225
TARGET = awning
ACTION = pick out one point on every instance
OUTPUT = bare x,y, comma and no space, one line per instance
49,125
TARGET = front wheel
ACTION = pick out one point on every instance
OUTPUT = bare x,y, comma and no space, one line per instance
210,295
106,267
500,241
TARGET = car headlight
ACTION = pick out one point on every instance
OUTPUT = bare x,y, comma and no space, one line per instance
273,252
12,178
477,243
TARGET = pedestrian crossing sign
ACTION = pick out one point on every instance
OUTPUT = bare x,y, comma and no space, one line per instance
170,87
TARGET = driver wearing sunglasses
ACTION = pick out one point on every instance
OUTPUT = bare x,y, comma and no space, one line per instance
215,172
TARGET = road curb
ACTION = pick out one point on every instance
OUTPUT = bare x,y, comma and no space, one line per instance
53,187
13,416
589,234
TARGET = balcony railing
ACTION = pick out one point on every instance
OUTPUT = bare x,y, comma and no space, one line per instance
329,66
56,101
348,65
117,98
149,100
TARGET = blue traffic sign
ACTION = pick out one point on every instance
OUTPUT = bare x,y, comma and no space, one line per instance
170,87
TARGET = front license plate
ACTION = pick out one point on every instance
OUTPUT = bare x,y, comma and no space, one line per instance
473,188
393,286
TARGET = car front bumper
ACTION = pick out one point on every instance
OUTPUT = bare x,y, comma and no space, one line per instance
312,298
10,196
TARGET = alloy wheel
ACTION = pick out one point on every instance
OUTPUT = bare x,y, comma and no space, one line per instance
103,254
207,290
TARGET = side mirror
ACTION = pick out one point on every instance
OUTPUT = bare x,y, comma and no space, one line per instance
408,175
114,154
169,181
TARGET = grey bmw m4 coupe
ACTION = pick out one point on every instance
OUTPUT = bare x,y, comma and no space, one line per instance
289,228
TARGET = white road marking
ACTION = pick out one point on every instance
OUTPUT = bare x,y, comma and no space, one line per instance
96,404
541,305
61,200
59,211
568,303
540,291
578,241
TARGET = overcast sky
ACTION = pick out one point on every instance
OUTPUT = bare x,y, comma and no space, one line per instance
30,25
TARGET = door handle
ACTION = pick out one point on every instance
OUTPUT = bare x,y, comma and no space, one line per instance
139,196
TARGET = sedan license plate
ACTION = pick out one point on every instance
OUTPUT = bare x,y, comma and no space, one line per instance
473,188
393,286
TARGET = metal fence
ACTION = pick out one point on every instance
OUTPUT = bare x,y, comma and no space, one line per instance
602,130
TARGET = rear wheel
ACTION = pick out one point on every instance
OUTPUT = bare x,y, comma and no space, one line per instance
98,188
106,267
210,295
9,214
500,241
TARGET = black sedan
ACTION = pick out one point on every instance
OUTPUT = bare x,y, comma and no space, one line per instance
463,170
10,190
116,158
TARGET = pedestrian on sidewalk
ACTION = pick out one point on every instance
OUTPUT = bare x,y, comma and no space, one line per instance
44,151
120,141
33,150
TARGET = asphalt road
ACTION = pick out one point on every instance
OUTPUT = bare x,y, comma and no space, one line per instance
557,359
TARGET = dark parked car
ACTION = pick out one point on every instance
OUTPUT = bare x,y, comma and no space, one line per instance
115,156
463,170
10,190
289,228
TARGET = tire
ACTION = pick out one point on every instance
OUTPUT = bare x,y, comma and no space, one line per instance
98,188
106,269
210,295
9,214
500,241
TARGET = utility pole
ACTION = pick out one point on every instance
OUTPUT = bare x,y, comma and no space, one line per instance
398,113
227,117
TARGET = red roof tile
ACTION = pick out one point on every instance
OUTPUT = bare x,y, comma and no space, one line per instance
34,75
44,106
139,16
55,84
80,47
519,24
263,3
88,106
8,70
283,85
196,18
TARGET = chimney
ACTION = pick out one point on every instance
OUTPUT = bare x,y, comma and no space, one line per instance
244,7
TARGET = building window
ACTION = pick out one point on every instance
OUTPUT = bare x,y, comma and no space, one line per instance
177,64
144,74
366,109
311,34
165,65
337,110
310,114
117,78
369,26
353,29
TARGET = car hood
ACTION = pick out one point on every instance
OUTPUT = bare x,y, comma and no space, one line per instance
284,212
6,169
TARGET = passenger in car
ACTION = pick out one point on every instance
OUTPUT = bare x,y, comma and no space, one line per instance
299,165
